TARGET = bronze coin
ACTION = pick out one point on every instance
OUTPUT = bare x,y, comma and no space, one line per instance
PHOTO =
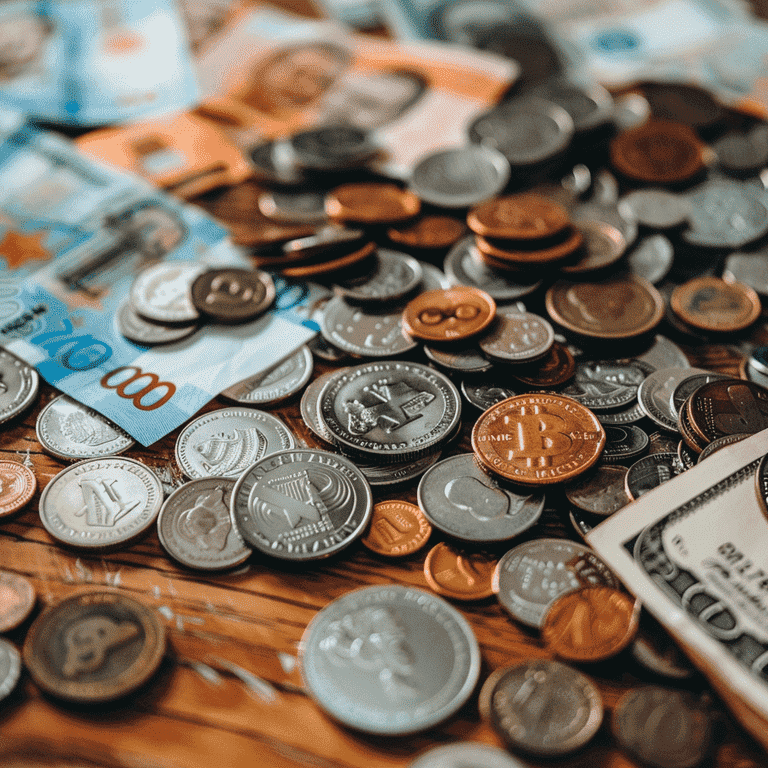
658,152
619,307
233,295
459,575
17,599
371,203
509,255
94,646
449,314
603,246
555,368
428,232
17,487
332,265
397,528
518,217
712,304
727,407
690,438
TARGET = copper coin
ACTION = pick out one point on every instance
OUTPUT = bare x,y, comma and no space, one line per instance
449,314
17,487
459,575
591,624
603,246
619,307
518,217
321,245
690,438
555,368
538,439
727,407
712,304
428,232
371,203
397,528
509,255
233,295
658,152
17,599
325,267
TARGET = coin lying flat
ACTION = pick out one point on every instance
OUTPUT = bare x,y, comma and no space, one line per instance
449,315
17,487
712,304
371,203
466,754
482,395
17,599
164,292
657,208
391,276
10,667
460,575
397,528
556,367
624,443
517,337
518,217
94,647
431,231
656,652
140,331
605,384
727,407
462,358
19,388
650,472
390,660
652,258
233,295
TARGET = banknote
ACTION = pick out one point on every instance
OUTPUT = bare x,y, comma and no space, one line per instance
73,236
695,552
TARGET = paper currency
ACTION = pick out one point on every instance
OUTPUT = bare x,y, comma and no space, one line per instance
73,235
695,552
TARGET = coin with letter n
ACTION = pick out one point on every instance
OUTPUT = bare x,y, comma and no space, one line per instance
94,647
301,504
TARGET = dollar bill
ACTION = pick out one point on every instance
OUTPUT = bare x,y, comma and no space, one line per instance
695,552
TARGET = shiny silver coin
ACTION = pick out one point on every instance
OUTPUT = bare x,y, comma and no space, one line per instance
753,374
656,652
624,443
459,359
664,353
590,107
459,499
748,268
460,177
630,111
321,348
140,331
393,411
602,247
163,292
656,208
392,276
485,394
655,394
605,190
530,577
69,430
276,384
651,258
293,207
225,442
195,528
10,667
390,660
605,384
572,702
517,337
379,475
325,241
432,278
101,503
301,504
19,384
697,378
650,472
466,754
365,331
600,492
578,180
719,444
274,161
310,402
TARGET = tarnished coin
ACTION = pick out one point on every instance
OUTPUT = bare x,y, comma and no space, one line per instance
607,212
466,754
686,102
397,528
195,528
555,368
301,504
663,442
72,431
664,354
719,444
605,384
462,501
748,268
10,667
759,359
17,599
742,153
460,575
371,203
483,395
293,207
449,315
390,660
163,292
19,384
508,255
461,358
650,472
429,232
691,439
657,208
94,647
325,243
624,443
603,246
17,487
518,217
233,295
517,337
532,575
101,503
392,275
687,457
727,407
626,415
651,258
712,304
140,331
601,492
583,522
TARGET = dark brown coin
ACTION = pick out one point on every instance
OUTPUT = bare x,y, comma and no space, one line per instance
518,217
727,407
601,492
655,650
603,246
428,232
688,458
712,304
650,472
332,265
371,203
506,254
555,368
94,647
17,599
233,295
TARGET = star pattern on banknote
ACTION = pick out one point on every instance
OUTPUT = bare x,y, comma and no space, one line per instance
18,248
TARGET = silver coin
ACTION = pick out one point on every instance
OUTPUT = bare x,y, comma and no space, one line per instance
225,442
517,337
460,359
578,180
608,213
390,660
720,443
325,241
466,754
759,359
663,442
461,500
19,384
650,472
690,384
753,374
391,410
333,147
664,354
301,504
195,528
10,667
605,190
651,258
600,492
685,456
309,406
289,207
630,111
321,348
432,278
655,394
69,430
624,443
485,394
530,577
276,384
365,331
140,331
742,153
590,106
621,416
101,503
379,475
460,177
274,161
582,522
163,292
748,268
656,208
604,384
392,276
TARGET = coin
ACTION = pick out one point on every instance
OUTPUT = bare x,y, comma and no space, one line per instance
293,207
691,439
624,443
727,407
656,392
657,208
10,667
485,394
94,647
689,384
656,652
140,331
687,102
371,203
332,147
101,503
664,354
397,528
459,575
449,315
603,246
589,107
355,257
431,231
17,599
605,384
391,276
517,337
17,487
626,415
742,153
18,386
508,255
721,442
652,258
748,268
163,292
233,295
72,431
461,500
463,359
308,406
600,492
650,472
712,304
390,660
556,367
532,575
466,754
399,472
518,217
320,246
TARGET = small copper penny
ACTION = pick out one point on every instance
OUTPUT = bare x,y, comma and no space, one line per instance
459,575
518,217
397,528
325,267
619,307
371,203
508,253
603,246
727,407
712,304
429,232
538,439
233,295
658,152
555,368
449,314
17,487
17,599
591,624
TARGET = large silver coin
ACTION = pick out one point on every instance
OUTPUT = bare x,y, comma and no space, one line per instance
392,276
393,411
140,331
651,258
461,500
517,337
390,660
19,384
70,430
163,292
226,442
462,359
101,503
276,384
195,528
466,754
10,667
589,106
310,405
656,208
301,504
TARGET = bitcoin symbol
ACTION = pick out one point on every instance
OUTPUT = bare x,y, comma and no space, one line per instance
537,436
